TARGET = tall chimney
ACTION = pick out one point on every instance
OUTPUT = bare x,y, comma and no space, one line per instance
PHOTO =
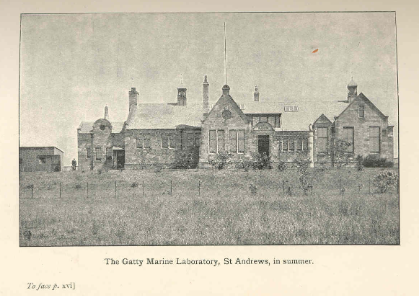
106,113
352,90
256,94
205,98
133,98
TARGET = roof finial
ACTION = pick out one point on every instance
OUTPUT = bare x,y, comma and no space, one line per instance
225,53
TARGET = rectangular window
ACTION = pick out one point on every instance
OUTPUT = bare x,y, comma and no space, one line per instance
164,141
263,119
221,141
299,144
374,134
233,141
240,140
305,144
89,152
291,144
361,111
322,139
212,141
98,153
348,136
197,139
147,142
271,120
172,141
140,143
285,144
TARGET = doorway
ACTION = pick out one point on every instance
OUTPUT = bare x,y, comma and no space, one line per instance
263,144
119,159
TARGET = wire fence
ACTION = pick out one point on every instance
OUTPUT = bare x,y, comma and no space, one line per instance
196,187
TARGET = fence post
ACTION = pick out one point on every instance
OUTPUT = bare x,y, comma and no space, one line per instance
87,190
115,189
143,188
32,190
60,189
369,185
283,186
171,187
199,187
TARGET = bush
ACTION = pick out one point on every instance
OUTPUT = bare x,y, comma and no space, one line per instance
220,160
261,161
78,186
244,164
186,159
385,181
374,161
134,185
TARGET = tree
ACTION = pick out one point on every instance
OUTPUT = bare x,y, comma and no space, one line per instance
340,154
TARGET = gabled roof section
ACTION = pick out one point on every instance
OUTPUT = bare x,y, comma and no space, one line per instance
228,100
322,118
86,127
363,98
164,116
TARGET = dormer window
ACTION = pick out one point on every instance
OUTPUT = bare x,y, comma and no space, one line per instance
361,111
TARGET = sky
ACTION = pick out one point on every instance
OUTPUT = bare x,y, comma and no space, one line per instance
72,65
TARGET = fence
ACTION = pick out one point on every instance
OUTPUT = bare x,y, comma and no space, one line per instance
223,185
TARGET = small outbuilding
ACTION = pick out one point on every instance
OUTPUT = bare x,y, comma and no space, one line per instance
35,159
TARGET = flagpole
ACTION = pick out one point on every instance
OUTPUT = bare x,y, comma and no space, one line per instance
225,52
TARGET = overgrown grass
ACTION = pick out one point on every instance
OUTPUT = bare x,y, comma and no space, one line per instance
171,209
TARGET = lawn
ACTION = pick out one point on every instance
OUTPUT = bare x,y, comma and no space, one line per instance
205,207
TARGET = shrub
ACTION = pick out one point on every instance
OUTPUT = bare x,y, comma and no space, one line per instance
385,181
244,164
374,161
134,185
261,161
186,159
253,189
220,160
78,186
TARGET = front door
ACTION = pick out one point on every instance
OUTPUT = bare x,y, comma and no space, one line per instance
119,159
263,144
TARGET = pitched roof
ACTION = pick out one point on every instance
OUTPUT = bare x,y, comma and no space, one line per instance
164,116
86,127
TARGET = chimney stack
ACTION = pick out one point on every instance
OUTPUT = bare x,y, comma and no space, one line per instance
352,90
106,113
181,96
226,90
133,98
256,94
205,95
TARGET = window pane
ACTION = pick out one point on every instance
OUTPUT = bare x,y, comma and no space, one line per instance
172,141
164,141
322,139
98,152
361,111
233,141
374,134
277,122
241,139
212,141
190,140
197,139
322,132
140,142
291,144
305,144
263,119
299,144
271,120
147,142
285,145
221,142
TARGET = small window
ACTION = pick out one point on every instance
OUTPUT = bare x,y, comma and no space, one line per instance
140,142
263,119
374,134
305,144
164,141
291,145
277,121
241,141
233,141
285,145
361,110
147,142
172,141
221,141
322,139
212,141
42,159
299,144
197,140
98,152
102,127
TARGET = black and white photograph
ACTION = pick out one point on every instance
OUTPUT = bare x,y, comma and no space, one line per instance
208,129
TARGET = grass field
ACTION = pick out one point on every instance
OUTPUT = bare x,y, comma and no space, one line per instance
205,207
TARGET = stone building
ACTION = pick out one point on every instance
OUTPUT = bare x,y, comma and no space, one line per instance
161,134
35,159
